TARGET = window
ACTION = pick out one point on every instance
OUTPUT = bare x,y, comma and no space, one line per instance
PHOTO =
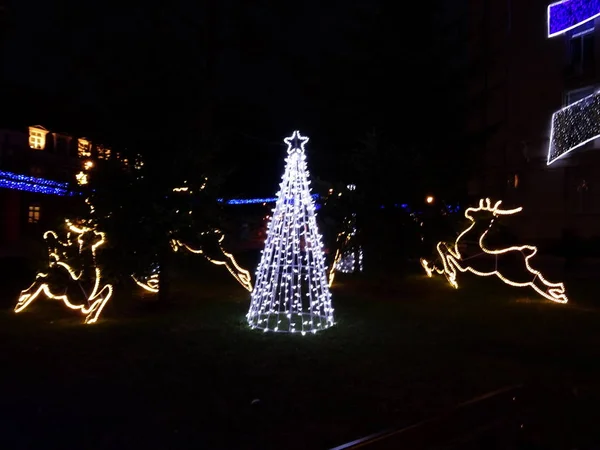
37,137
84,148
103,152
578,94
33,215
581,45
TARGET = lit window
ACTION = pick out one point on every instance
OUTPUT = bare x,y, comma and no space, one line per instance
103,152
84,148
33,215
37,137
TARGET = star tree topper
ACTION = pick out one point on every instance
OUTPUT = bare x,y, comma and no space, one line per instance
295,142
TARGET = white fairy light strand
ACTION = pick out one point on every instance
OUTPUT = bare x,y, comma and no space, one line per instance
574,126
291,292
348,256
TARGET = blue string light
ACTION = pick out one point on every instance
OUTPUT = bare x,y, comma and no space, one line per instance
250,201
567,15
10,180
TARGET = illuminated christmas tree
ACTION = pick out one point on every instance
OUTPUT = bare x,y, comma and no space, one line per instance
291,291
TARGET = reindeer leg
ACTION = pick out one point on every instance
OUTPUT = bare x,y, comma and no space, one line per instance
448,264
98,304
552,291
30,294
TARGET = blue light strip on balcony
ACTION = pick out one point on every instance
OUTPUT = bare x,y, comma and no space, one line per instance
566,15
10,180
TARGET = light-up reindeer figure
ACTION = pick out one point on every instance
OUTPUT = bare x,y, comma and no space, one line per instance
217,255
453,260
73,276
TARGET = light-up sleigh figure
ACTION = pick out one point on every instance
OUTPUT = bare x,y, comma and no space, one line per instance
455,258
73,276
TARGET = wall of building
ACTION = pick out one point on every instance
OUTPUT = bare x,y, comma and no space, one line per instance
520,77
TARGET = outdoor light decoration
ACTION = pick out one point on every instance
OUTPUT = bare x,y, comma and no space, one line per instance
349,255
10,180
574,126
251,201
291,293
150,281
73,276
429,199
239,273
452,259
566,15
82,178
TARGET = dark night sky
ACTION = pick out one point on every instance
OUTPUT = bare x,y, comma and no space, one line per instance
135,74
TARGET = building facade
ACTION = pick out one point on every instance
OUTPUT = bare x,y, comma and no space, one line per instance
520,77
40,171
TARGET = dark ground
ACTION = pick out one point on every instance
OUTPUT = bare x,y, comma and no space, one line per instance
192,375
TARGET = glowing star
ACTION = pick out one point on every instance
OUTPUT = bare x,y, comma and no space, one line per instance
296,142
291,292
81,278
479,263
240,274
567,15
574,126
82,178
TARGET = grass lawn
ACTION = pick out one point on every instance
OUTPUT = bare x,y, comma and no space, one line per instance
193,375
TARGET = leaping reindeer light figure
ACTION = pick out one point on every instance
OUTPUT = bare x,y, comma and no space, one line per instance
241,275
73,276
452,259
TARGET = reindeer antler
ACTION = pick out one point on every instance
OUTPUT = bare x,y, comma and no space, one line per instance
486,205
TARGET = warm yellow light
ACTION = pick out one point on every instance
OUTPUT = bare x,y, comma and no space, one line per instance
84,148
429,199
337,257
452,259
152,285
240,274
88,165
82,178
37,137
80,277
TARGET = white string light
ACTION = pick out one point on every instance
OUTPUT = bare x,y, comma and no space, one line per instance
573,126
453,260
291,292
349,255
